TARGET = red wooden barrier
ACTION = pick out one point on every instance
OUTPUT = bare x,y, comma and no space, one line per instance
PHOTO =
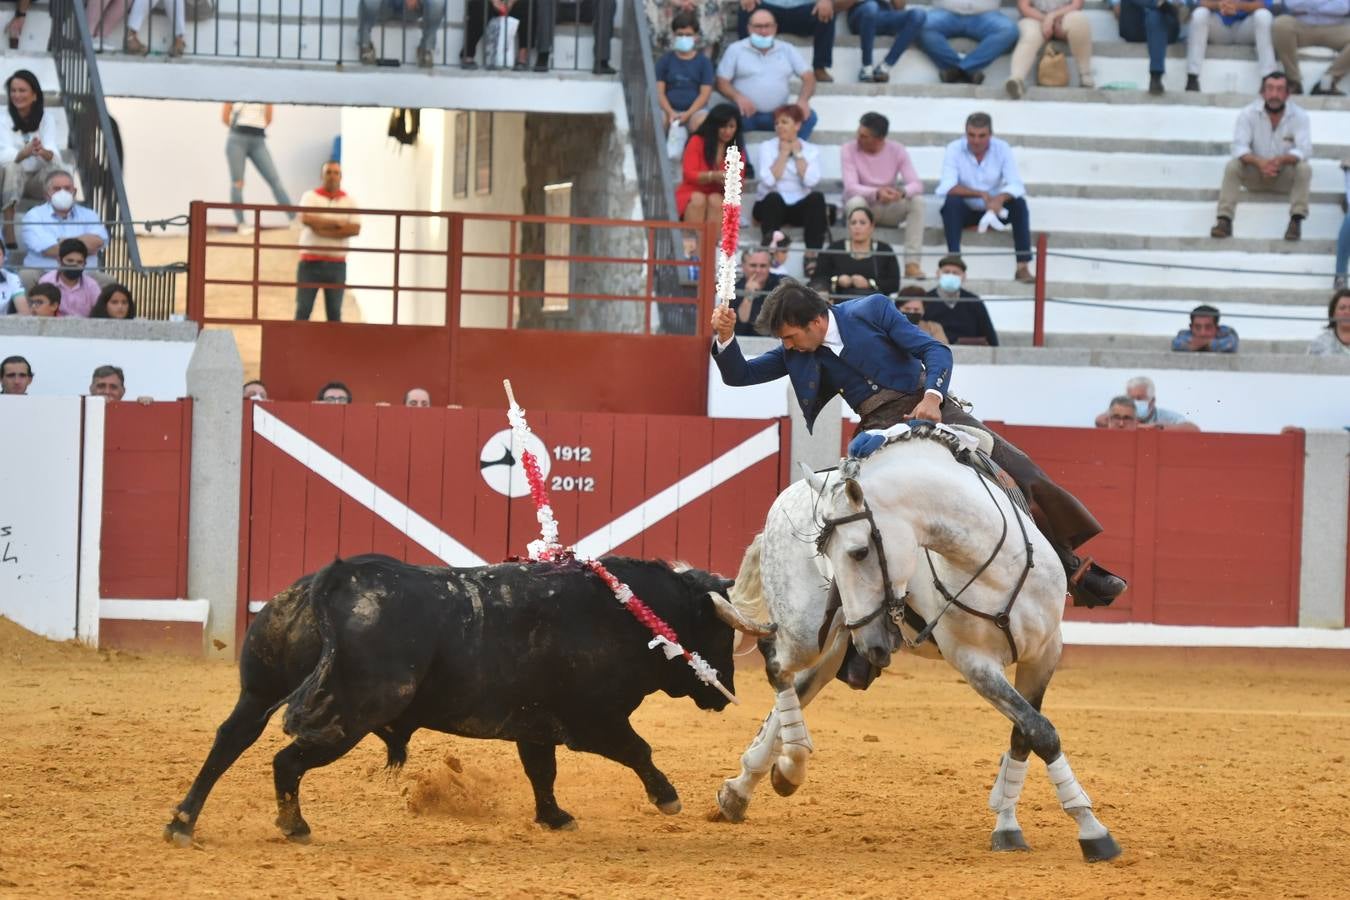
146,468
430,465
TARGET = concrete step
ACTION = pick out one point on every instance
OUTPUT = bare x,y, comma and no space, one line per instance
1304,296
1151,324
1141,343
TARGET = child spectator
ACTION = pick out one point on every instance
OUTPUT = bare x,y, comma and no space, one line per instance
684,76
11,290
79,292
44,301
114,302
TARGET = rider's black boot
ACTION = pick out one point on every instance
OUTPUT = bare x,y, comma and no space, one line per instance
1090,584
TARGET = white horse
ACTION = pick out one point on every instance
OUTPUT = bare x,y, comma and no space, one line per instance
910,525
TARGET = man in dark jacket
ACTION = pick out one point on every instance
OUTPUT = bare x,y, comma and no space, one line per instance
960,312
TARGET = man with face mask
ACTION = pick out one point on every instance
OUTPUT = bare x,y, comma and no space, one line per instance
960,312
1140,401
79,292
46,226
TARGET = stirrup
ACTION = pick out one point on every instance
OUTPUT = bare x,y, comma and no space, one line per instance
1077,575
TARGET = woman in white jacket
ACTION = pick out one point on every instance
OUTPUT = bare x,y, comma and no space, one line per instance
28,147
788,169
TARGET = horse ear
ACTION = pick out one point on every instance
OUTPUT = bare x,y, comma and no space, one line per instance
817,482
853,491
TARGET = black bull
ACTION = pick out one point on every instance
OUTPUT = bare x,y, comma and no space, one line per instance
539,654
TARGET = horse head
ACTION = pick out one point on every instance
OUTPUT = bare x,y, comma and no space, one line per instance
873,555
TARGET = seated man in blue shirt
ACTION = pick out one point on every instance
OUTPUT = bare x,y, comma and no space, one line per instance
46,226
979,177
889,370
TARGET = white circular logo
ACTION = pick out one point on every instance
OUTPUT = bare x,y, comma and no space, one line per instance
500,463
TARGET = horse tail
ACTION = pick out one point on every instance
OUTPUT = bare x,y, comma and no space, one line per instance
747,595
310,714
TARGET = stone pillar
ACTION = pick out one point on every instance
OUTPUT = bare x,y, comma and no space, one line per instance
820,448
1326,496
215,378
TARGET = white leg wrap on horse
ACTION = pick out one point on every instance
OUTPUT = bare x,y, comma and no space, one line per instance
1012,775
792,726
759,756
1070,792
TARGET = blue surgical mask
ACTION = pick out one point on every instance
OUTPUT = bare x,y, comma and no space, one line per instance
683,43
949,283
1141,409
761,41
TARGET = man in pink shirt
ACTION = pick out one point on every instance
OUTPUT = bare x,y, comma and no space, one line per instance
79,292
880,175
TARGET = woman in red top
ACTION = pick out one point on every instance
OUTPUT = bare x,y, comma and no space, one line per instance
699,196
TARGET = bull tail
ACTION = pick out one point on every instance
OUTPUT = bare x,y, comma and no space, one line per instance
310,713
747,595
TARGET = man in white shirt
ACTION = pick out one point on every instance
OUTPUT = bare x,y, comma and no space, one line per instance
980,185
45,226
323,245
1271,146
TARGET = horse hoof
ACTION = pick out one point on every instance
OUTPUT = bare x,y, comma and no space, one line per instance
670,808
731,805
180,839
1099,849
299,837
781,785
1004,841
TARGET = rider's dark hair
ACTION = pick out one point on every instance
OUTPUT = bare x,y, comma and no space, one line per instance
792,304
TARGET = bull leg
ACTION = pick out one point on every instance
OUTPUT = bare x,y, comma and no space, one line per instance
235,735
618,741
541,767
289,766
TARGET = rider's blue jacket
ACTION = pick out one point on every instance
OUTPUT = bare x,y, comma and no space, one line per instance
881,349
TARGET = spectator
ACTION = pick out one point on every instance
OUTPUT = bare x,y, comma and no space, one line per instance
789,169
476,15
858,265
1154,22
1271,147
136,18
15,27
11,290
1206,335
808,18
1228,22
418,397
1342,276
46,226
1335,338
684,76
44,301
323,242
980,184
879,174
79,292
28,149
248,124
869,18
752,287
431,12
1043,21
779,246
334,392
661,15
109,382
699,196
114,302
602,29
16,375
255,390
1313,23
1120,415
960,312
910,303
754,74
1141,396
978,20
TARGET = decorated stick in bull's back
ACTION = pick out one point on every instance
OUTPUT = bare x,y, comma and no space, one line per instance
548,548
731,226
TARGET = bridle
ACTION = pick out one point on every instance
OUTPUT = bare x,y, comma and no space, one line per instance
895,607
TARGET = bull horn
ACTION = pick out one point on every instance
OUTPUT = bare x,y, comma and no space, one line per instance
732,616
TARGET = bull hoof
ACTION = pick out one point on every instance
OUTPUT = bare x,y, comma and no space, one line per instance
781,785
1006,841
670,808
175,834
299,837
1099,849
731,805
558,821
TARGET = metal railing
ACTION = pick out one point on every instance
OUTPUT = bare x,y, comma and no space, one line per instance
98,157
330,31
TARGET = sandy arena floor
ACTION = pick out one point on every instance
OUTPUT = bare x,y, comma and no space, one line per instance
1219,780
